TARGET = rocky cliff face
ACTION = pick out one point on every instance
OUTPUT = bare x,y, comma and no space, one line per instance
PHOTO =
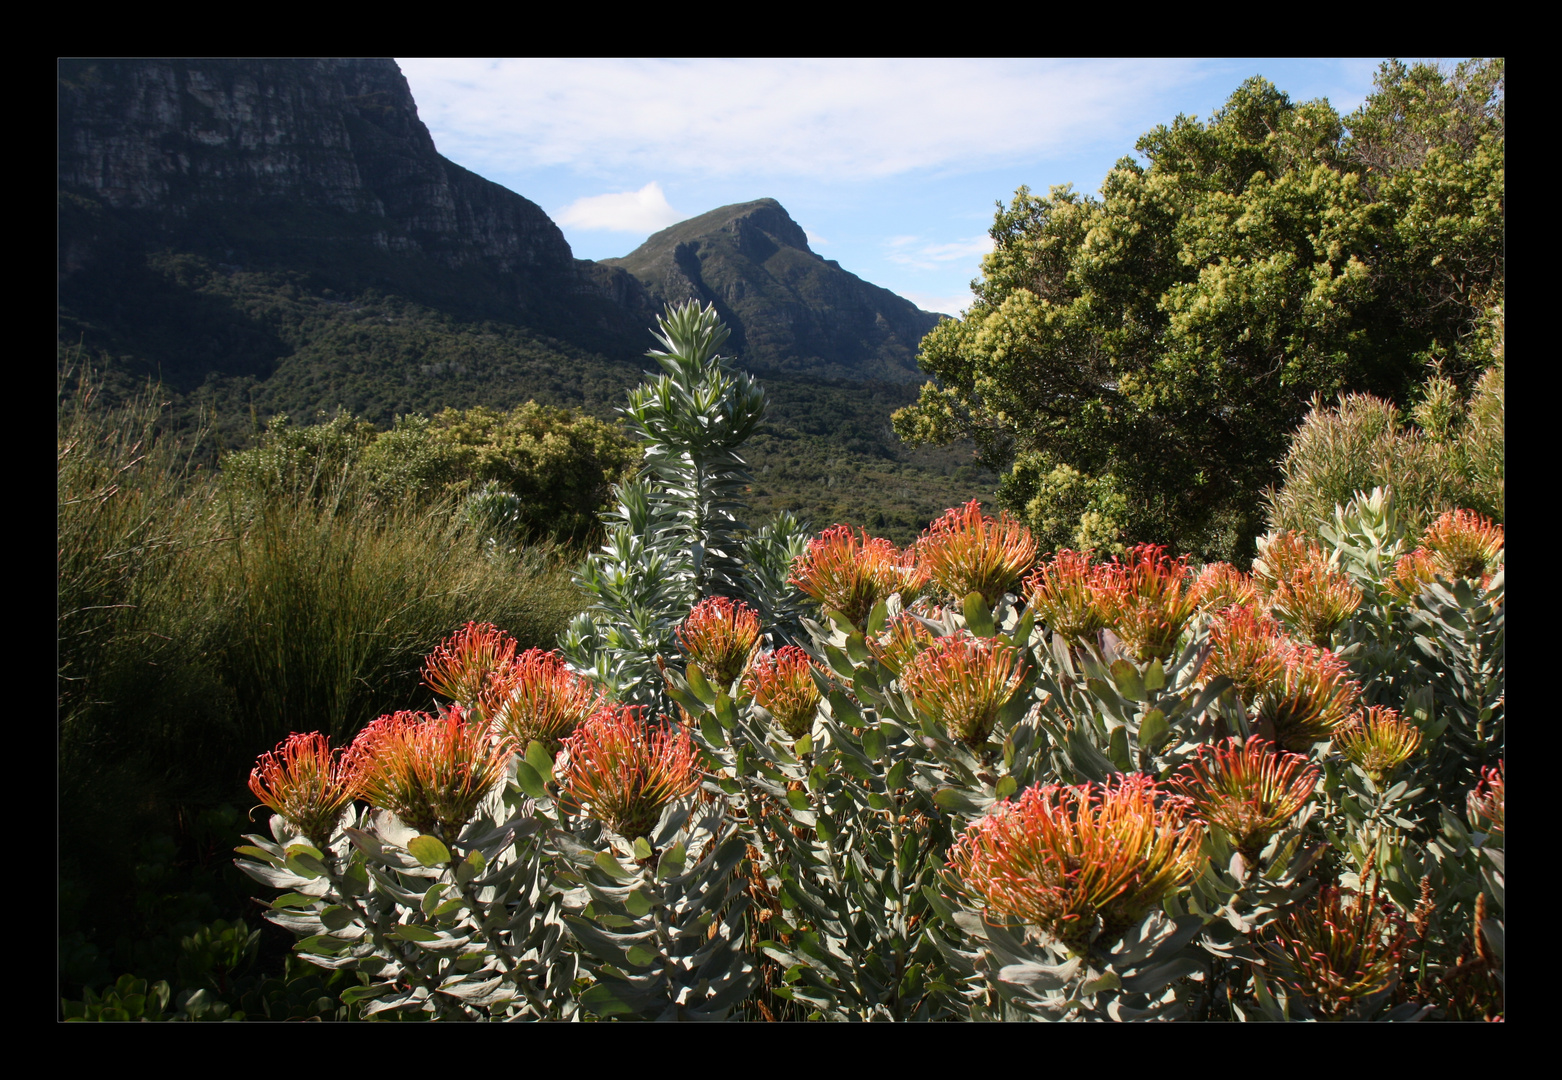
788,308
171,139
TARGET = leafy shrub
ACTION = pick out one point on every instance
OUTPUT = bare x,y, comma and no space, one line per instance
556,465
1449,457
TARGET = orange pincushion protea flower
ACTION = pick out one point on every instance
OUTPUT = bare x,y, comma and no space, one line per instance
306,782
1069,595
851,573
1379,740
719,635
430,771
1280,555
1250,790
965,551
622,771
1315,599
1149,600
1484,805
1310,698
1247,647
1463,544
782,683
538,698
1411,573
962,681
1220,586
1080,864
459,669
1337,951
906,637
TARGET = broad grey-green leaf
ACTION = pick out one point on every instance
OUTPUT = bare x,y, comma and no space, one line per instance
530,782
336,917
672,861
429,850
701,685
612,867
878,618
1154,730
949,798
1128,681
1154,675
873,742
978,617
1117,749
537,757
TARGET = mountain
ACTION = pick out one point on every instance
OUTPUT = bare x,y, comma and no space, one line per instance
788,308
268,236
317,166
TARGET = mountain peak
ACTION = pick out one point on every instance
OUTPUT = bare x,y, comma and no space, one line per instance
745,222
787,307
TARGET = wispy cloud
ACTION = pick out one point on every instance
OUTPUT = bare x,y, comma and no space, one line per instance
954,306
830,119
914,252
643,211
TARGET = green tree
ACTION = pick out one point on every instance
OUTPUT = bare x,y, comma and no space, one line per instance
560,465
1137,360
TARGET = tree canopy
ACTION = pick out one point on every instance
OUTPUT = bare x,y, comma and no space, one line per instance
1137,360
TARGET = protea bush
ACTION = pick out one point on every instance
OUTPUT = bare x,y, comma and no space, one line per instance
962,682
1250,790
1150,599
1463,544
1070,596
782,683
1378,740
430,771
461,667
1340,955
826,778
849,571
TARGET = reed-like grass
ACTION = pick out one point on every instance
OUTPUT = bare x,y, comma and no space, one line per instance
200,622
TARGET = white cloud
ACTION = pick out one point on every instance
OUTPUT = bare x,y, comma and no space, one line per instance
814,239
643,211
911,251
829,119
945,305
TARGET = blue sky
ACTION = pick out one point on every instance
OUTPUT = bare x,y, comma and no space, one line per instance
892,166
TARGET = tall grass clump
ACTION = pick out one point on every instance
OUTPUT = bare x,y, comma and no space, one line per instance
326,605
202,617
129,526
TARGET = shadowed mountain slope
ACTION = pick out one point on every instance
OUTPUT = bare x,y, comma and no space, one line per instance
789,309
